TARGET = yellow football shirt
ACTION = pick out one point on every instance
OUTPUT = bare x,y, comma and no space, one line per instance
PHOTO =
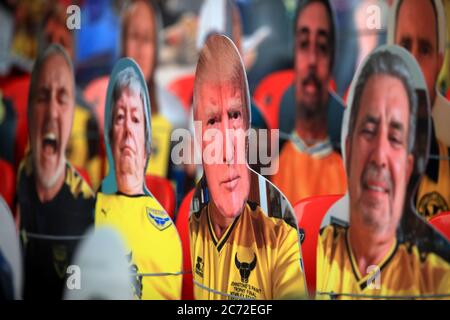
433,194
258,257
404,272
155,253
304,174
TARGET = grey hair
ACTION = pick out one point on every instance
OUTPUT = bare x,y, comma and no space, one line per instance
127,79
52,49
386,63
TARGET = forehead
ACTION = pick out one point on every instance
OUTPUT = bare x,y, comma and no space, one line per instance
129,99
314,16
220,97
141,15
417,18
55,70
384,96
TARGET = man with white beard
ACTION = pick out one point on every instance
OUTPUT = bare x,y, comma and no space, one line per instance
54,203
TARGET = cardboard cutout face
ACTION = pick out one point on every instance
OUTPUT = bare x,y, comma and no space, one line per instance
127,130
238,218
376,223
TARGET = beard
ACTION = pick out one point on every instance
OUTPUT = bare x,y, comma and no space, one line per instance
48,180
311,106
370,212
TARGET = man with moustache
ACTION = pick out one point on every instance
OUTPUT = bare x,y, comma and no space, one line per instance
54,202
425,39
308,162
237,250
155,255
366,259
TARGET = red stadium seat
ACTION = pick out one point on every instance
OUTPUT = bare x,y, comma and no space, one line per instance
84,174
95,95
183,89
182,224
163,191
441,222
448,95
8,183
310,212
269,92
16,89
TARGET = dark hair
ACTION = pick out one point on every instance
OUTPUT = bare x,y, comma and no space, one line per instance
302,4
386,63
400,2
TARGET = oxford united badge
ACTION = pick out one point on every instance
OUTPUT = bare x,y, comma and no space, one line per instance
158,218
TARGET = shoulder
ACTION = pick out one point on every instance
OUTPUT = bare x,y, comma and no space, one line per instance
332,236
77,185
274,228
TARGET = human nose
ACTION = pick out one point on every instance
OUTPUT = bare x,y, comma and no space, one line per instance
380,150
228,142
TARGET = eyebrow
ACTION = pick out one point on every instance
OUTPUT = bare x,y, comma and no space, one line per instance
423,41
371,119
397,125
323,33
303,30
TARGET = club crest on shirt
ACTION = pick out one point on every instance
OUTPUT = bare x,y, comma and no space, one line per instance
199,267
245,268
158,218
60,260
431,204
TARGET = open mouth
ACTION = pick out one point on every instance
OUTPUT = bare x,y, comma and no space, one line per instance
50,143
311,87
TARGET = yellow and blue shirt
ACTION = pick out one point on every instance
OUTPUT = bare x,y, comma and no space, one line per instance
155,254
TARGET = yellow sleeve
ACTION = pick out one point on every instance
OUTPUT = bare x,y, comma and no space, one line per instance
289,280
320,272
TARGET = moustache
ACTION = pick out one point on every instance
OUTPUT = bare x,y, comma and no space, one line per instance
312,78
373,173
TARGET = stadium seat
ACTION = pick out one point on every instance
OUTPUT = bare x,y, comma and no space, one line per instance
163,191
310,212
8,184
269,92
182,224
441,222
16,89
95,95
84,174
448,95
183,89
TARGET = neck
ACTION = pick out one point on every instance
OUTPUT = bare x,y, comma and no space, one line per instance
366,255
219,221
46,194
130,187
311,130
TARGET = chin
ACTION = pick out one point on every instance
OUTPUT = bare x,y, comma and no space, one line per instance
231,211
48,178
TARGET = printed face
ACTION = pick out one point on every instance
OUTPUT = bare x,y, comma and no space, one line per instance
140,38
380,164
128,142
420,39
312,58
51,119
221,108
